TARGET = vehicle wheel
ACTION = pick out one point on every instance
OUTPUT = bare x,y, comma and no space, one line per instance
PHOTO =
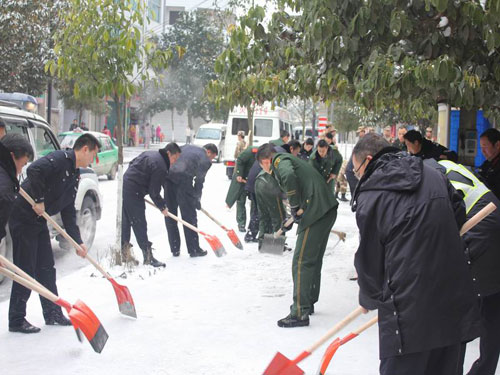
112,173
86,219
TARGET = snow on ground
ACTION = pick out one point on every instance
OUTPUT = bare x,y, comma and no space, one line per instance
209,315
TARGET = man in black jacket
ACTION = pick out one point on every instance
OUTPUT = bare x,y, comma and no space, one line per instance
52,182
15,151
146,174
425,149
410,261
490,169
183,190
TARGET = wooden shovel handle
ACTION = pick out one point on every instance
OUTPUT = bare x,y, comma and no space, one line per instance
213,218
64,234
29,284
178,219
348,319
287,223
365,326
341,235
488,209
9,265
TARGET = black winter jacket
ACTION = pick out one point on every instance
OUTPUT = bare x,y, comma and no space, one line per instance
410,261
490,174
9,185
53,180
147,174
191,169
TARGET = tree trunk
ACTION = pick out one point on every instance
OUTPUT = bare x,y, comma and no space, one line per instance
250,111
172,120
304,121
119,181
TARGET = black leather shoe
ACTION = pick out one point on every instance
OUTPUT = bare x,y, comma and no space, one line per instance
57,319
242,229
249,237
198,253
294,321
25,327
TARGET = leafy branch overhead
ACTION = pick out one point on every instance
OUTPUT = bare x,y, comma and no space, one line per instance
406,55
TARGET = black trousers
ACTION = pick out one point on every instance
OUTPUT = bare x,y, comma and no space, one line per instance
441,361
253,226
32,253
134,216
181,196
489,344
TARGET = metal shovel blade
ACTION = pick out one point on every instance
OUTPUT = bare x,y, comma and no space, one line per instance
216,245
124,298
281,365
273,245
84,319
234,239
327,357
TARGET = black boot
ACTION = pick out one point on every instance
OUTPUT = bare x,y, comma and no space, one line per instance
344,199
249,237
241,228
294,321
198,253
57,319
150,259
24,327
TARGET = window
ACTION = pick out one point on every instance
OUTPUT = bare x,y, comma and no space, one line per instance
263,127
16,126
105,144
173,15
239,124
207,133
155,9
282,125
44,144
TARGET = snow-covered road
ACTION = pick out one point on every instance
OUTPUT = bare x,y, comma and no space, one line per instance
209,315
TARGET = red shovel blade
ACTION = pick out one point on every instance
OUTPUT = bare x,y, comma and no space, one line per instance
84,319
215,244
327,357
234,239
281,365
124,298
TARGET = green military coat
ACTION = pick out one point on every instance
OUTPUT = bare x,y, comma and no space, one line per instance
277,142
243,164
269,203
304,187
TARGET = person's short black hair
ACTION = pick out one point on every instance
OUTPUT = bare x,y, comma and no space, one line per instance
329,136
413,136
492,134
173,148
88,140
294,144
309,141
265,151
18,145
322,143
284,133
370,144
212,148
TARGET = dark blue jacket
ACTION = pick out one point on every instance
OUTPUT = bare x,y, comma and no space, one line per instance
9,185
147,174
53,180
190,169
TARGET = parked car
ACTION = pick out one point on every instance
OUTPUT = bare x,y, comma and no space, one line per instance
107,158
88,201
211,133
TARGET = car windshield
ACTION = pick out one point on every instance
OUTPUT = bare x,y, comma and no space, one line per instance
208,133
67,140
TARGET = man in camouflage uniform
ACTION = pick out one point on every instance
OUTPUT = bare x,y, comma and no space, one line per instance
314,208
342,183
241,145
236,193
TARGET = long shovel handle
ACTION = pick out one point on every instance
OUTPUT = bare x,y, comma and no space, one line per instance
12,267
488,209
341,235
213,218
344,322
178,219
29,284
64,234
287,223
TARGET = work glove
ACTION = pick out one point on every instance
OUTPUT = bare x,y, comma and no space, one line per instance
295,215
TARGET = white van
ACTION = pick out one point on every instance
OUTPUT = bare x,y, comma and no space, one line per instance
267,124
211,133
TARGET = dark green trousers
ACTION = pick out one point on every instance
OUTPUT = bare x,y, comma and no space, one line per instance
241,212
307,262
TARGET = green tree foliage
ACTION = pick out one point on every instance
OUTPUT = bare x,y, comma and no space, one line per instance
199,42
102,51
406,55
25,43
